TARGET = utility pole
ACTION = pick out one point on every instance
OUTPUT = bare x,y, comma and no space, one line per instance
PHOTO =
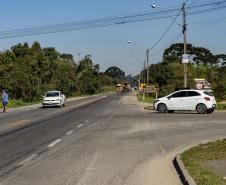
144,71
147,56
184,31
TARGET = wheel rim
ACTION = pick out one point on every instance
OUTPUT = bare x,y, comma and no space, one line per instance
201,108
162,108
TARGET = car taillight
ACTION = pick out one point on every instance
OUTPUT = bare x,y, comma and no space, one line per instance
207,98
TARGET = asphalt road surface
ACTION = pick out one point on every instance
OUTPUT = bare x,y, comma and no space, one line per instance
112,141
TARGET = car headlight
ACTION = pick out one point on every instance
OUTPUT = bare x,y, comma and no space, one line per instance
156,101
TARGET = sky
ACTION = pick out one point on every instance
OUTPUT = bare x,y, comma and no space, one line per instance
108,45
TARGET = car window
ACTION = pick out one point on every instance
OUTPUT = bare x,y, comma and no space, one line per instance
208,93
52,94
193,93
179,94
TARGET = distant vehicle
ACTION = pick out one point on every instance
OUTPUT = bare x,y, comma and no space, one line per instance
191,100
53,99
119,88
142,86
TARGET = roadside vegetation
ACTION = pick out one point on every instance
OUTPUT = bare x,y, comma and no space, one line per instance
221,106
27,72
147,99
169,74
197,160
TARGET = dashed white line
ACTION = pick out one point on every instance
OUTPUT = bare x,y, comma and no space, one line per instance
54,142
86,121
80,125
69,132
28,159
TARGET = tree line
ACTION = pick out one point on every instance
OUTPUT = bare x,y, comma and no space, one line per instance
169,74
28,72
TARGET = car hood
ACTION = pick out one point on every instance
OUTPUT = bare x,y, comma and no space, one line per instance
161,99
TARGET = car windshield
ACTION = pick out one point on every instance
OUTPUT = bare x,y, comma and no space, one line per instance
208,93
52,94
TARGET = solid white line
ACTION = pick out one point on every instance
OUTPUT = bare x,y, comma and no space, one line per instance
69,132
54,142
28,159
80,125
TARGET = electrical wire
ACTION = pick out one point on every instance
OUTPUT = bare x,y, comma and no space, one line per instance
209,21
199,8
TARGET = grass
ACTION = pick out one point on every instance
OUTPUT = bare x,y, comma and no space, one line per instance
195,157
147,99
20,103
221,106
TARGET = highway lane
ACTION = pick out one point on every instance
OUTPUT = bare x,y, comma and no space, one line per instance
17,145
26,116
112,141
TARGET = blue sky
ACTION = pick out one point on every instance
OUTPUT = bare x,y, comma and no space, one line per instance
108,45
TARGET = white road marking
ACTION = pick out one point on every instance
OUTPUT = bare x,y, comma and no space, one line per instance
28,159
69,132
86,121
54,142
80,125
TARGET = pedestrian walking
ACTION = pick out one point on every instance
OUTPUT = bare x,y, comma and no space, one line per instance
5,99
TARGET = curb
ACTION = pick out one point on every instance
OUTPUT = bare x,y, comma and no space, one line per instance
184,176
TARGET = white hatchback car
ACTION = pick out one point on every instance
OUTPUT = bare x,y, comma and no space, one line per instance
53,98
191,100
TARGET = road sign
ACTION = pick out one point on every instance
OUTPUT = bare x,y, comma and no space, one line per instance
202,84
150,89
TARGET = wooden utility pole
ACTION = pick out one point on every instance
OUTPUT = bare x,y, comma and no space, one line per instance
184,30
147,56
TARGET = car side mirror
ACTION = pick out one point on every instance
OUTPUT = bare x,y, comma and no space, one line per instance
169,97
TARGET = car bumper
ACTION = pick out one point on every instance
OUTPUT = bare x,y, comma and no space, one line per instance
51,104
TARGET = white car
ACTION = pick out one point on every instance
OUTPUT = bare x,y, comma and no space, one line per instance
191,100
53,99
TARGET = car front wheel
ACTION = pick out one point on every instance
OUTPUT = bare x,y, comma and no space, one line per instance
201,108
162,108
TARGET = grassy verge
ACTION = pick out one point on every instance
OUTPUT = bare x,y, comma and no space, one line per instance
221,106
147,99
20,103
195,158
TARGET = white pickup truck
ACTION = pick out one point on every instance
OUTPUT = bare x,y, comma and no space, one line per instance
53,99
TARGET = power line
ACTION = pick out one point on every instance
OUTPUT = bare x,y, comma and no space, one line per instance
209,21
203,7
167,30
168,43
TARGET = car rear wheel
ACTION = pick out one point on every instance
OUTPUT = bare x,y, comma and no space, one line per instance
162,108
201,108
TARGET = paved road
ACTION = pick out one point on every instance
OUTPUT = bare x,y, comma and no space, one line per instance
112,141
